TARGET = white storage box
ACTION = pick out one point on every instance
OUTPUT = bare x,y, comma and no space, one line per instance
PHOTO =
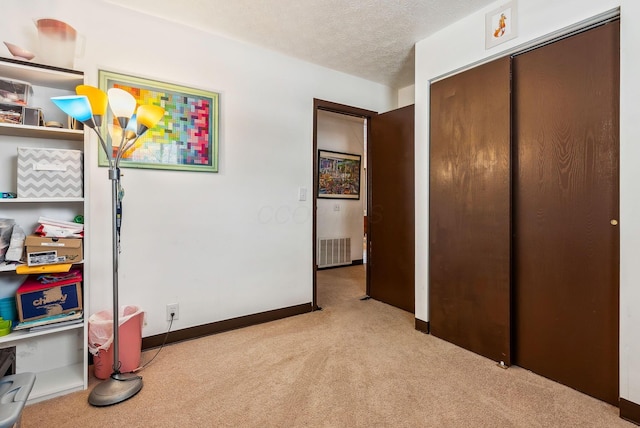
49,173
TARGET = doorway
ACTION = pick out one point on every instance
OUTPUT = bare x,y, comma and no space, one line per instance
341,205
334,219
389,176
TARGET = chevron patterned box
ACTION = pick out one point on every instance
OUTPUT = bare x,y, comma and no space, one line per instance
49,173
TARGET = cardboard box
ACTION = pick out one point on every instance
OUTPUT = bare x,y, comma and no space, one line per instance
35,300
45,251
49,173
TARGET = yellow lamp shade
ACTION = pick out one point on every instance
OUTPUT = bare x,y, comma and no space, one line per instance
97,98
149,115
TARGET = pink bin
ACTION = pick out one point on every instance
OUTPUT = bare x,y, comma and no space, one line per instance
129,347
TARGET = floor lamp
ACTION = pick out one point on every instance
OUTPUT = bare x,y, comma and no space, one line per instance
88,107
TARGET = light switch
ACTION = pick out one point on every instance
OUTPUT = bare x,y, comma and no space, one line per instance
302,193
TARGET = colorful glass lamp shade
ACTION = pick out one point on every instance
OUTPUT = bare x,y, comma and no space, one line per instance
76,106
122,104
147,117
98,100
90,105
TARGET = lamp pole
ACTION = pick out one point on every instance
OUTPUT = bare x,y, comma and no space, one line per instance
119,386
114,176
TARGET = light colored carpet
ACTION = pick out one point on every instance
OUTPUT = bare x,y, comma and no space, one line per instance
353,364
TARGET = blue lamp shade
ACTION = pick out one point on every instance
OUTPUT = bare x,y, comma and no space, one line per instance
76,106
132,126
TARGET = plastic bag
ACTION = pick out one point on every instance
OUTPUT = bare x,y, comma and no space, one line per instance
16,245
101,327
6,227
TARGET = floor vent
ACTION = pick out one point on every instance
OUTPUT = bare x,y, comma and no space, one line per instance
334,252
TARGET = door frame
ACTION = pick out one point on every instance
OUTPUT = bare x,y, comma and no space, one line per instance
319,104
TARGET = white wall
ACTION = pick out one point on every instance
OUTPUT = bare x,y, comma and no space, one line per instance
345,134
406,96
462,45
629,201
221,245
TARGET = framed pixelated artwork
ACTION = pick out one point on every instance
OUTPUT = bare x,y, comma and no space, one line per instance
185,139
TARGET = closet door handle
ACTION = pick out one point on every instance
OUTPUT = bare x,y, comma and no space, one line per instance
614,222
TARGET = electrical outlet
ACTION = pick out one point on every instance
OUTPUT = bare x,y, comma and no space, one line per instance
173,308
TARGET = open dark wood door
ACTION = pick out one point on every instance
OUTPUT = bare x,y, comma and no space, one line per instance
391,232
566,252
470,210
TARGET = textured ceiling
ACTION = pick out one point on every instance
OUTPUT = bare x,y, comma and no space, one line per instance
372,39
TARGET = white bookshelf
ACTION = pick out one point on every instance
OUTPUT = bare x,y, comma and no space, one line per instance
58,356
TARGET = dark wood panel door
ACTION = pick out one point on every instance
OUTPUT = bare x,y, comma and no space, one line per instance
469,210
391,232
566,246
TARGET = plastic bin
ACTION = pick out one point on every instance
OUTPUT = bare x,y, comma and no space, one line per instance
130,321
14,91
8,309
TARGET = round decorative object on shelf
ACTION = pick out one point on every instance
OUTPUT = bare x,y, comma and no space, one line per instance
18,52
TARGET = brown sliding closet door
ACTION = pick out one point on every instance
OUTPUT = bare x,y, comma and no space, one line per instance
566,245
469,210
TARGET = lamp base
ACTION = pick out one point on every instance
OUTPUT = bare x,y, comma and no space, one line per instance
118,388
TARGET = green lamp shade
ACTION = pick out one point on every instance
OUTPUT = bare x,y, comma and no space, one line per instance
76,106
122,103
97,98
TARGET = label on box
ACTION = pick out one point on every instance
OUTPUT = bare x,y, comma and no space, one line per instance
52,244
44,258
49,167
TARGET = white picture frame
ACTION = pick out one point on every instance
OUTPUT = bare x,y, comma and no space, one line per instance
501,24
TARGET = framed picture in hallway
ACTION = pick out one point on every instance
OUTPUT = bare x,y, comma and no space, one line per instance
185,139
338,175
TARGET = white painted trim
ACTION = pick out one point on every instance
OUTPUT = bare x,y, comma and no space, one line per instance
540,41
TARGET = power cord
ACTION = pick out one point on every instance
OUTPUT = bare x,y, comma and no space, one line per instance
161,346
